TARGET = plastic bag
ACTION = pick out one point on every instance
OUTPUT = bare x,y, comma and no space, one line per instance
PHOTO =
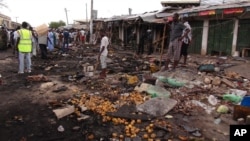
206,68
233,98
156,91
172,82
222,109
157,106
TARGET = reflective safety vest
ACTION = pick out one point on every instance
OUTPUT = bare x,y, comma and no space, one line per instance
25,42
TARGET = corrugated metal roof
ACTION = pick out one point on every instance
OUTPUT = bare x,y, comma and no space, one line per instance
157,16
180,1
117,18
212,7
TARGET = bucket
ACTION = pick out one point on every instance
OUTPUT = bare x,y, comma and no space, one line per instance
245,101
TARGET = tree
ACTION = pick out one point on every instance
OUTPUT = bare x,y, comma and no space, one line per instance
57,24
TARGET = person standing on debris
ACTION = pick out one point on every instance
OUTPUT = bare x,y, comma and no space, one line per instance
186,40
78,37
51,38
15,50
176,36
66,38
133,40
24,45
140,50
54,37
43,41
34,42
3,38
103,54
82,36
60,39
150,42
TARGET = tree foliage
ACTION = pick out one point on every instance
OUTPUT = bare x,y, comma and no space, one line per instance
57,24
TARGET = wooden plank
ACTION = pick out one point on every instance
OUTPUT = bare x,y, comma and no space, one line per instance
241,112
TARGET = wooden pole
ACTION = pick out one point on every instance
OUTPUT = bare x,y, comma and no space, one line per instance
162,43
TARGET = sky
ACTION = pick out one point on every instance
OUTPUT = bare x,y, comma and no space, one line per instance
37,12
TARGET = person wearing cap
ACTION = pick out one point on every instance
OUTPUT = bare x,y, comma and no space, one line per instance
186,40
176,37
24,46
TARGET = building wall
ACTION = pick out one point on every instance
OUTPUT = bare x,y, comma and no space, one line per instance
5,20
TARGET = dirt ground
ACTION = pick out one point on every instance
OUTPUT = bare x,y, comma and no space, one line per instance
26,109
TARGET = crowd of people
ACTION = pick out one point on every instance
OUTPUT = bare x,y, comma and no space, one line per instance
26,43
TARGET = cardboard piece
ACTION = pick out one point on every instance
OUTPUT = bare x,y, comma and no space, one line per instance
42,29
60,113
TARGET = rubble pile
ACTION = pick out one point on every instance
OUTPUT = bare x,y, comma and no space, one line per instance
138,102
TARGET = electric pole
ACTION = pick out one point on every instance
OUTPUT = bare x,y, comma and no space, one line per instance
16,19
66,12
91,22
86,13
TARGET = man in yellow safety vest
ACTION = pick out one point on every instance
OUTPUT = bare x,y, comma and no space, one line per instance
24,46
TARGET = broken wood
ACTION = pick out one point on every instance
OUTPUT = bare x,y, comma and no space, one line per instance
228,83
240,112
158,40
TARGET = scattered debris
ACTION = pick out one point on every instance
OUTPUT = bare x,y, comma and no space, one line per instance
59,89
240,112
222,109
60,113
164,105
37,78
60,128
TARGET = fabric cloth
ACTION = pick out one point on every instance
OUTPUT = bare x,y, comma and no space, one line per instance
24,56
174,49
103,60
43,49
184,49
105,43
34,46
43,40
16,35
188,38
176,30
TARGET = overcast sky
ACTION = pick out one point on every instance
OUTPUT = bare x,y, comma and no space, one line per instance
37,12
